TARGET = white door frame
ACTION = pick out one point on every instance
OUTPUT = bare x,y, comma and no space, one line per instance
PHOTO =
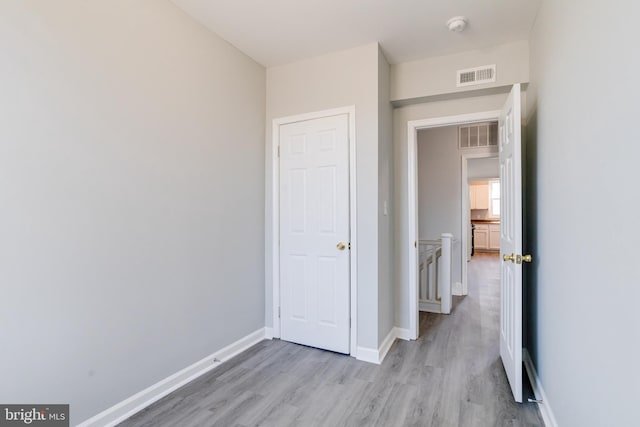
275,226
466,209
412,200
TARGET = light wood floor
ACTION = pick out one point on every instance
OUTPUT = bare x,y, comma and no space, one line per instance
451,376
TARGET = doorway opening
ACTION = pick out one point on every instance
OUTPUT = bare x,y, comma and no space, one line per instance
458,182
480,208
453,219
511,257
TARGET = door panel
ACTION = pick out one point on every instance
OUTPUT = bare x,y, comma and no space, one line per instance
511,242
314,218
297,272
326,298
298,187
327,203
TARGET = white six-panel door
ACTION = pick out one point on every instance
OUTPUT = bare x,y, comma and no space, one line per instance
511,242
314,233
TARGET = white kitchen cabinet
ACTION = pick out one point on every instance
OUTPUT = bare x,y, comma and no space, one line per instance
479,195
487,236
481,236
494,236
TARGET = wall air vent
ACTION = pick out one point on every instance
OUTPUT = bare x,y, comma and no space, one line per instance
478,135
476,76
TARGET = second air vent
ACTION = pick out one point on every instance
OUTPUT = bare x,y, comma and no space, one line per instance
478,135
476,76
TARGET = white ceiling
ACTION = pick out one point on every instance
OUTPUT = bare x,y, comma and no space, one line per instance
275,32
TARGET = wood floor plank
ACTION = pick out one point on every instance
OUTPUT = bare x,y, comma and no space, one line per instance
451,376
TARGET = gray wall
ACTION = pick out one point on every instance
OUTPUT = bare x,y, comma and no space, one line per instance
385,186
483,168
582,210
131,186
436,76
339,79
440,189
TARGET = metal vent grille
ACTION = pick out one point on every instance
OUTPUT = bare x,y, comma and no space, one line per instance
476,76
478,135
468,77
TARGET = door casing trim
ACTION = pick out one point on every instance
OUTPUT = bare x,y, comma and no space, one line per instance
275,226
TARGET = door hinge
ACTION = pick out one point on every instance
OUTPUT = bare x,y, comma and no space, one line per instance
278,151
278,312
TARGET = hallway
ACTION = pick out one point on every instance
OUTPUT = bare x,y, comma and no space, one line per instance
451,376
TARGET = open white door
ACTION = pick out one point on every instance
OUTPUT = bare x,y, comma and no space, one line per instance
314,233
511,242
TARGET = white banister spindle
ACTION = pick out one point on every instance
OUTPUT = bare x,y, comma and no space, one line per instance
434,274
432,263
423,279
444,281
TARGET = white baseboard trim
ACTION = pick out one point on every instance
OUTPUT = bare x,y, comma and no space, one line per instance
368,355
403,334
544,406
386,344
377,356
429,307
268,333
456,289
125,409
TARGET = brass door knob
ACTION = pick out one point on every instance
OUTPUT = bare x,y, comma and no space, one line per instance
507,258
527,258
340,246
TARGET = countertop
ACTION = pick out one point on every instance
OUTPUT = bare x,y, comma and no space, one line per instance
485,221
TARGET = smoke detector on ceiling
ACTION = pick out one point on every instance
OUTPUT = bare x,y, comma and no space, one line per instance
457,24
